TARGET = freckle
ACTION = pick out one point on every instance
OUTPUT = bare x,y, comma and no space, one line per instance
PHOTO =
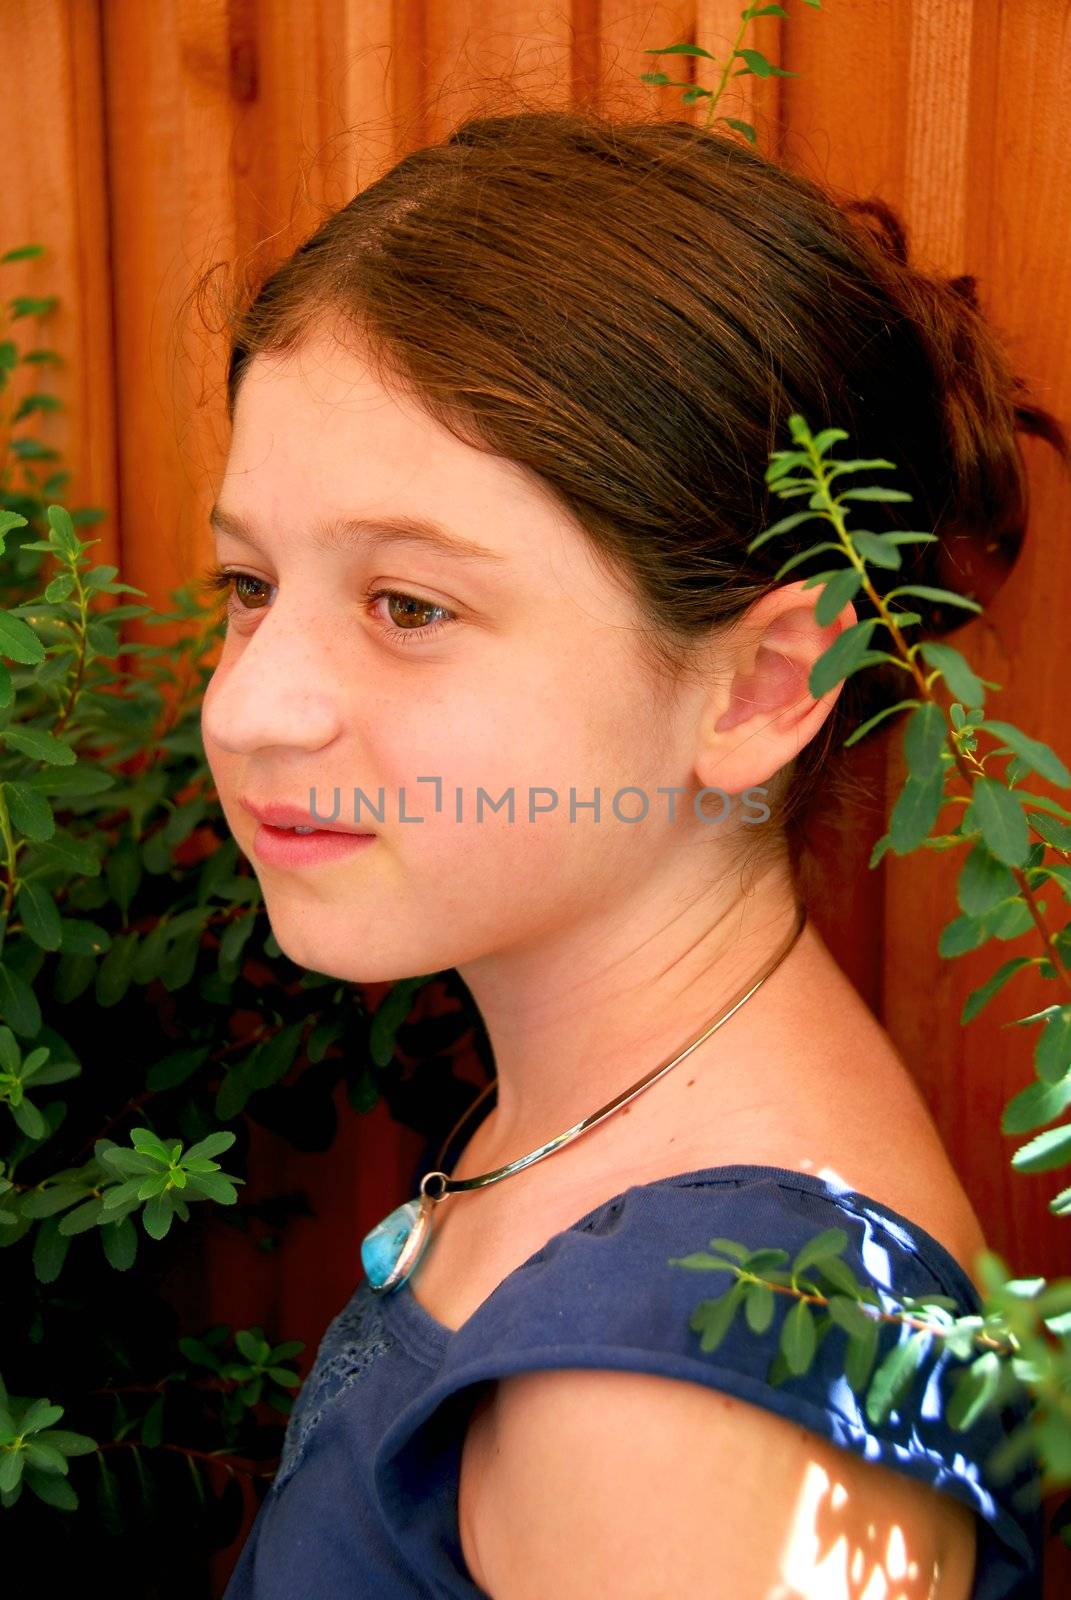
690,1082
625,1110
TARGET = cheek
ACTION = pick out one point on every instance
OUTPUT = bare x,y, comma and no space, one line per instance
529,733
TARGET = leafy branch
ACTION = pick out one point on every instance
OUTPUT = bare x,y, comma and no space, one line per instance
1017,845
754,62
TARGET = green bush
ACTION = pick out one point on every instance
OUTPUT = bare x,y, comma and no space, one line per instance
143,1004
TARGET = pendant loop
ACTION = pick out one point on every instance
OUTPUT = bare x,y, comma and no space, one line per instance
440,1192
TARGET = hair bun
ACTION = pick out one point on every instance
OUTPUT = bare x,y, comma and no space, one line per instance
983,404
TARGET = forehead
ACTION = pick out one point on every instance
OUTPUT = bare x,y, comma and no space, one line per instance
316,437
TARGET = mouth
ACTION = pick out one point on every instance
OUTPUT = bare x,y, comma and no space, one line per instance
283,818
296,846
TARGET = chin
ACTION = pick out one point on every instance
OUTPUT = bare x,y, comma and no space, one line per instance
344,954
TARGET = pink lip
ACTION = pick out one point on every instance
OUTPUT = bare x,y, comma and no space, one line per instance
280,814
278,847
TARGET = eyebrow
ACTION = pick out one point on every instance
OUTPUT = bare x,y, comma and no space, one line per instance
357,534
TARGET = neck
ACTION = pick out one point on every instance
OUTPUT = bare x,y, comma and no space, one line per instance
577,1016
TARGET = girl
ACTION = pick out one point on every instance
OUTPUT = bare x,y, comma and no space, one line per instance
500,430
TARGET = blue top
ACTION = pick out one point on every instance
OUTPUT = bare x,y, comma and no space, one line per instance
364,1503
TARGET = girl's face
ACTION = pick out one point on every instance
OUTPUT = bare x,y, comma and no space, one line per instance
503,660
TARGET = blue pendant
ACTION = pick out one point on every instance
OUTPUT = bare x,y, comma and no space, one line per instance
391,1250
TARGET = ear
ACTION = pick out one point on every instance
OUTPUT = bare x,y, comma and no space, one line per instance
762,713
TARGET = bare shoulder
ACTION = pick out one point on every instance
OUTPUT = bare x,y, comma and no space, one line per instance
578,1483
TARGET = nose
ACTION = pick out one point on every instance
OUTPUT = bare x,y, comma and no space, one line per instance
277,688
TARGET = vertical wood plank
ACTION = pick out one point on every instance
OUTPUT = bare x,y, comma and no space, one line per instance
56,195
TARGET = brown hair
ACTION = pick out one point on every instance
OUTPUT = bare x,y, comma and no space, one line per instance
631,310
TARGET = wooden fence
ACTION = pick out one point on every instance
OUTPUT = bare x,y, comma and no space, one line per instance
150,139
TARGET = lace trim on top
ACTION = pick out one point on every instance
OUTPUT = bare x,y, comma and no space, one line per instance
351,1344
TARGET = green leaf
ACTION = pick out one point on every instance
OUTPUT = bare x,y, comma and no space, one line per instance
275,1057
49,1251
150,1144
916,810
215,1186
153,1183
873,492
11,1465
1048,1150
1009,919
842,657
121,1159
152,1424
830,1242
758,64
712,1319
45,1202
982,995
974,1389
865,727
39,915
998,813
1054,832
235,937
249,1344
849,1314
836,594
742,127
19,642
41,1414
702,1261
29,1119
52,1489
924,739
176,1068
212,1145
798,1340
19,1007
785,525
120,1243
964,684
680,50
875,549
1036,1105
924,591
29,810
157,1215
962,934
44,1457
983,882
62,530
1052,1053
83,1217
10,1054
39,746
859,1357
78,937
759,1307
289,1347
114,973
1037,756
894,1375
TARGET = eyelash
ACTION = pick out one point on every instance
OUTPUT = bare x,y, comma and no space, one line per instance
219,580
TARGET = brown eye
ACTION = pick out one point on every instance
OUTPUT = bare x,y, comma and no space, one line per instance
412,613
242,584
408,612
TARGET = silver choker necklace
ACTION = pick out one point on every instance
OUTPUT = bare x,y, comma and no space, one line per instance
390,1251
